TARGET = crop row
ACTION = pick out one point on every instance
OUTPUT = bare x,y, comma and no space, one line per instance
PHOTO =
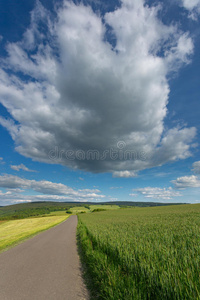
142,253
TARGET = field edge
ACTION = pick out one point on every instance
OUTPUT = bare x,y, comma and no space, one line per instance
29,236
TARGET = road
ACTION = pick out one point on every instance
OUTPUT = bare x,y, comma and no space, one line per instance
45,267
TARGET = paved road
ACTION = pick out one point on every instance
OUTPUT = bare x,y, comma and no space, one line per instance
46,267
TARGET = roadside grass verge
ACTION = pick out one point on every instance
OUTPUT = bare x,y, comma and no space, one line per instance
16,231
142,253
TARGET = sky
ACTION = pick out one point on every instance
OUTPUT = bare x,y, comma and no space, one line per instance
99,101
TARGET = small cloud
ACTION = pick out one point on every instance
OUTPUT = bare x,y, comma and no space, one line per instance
113,199
22,201
196,167
1,161
193,7
158,193
116,187
162,174
80,178
133,195
21,167
124,174
186,182
16,190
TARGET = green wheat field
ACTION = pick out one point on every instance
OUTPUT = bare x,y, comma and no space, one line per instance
142,253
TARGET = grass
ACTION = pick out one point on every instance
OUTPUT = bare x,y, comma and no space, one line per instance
28,210
142,253
79,209
90,208
15,231
106,207
57,213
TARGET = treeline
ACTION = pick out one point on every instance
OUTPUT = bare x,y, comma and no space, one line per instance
26,213
22,211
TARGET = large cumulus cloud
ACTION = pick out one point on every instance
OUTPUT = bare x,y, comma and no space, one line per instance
71,91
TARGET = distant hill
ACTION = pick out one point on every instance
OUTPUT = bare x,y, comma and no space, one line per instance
25,210
141,204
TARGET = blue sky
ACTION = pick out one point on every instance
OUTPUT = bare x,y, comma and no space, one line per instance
99,101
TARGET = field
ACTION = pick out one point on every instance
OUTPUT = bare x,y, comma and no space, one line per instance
15,231
43,208
142,253
57,213
91,208
106,207
79,209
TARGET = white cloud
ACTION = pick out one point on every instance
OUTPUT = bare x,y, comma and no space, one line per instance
22,201
21,167
125,174
80,93
1,161
180,52
116,187
190,4
193,6
50,190
196,167
162,174
158,193
187,182
174,145
12,198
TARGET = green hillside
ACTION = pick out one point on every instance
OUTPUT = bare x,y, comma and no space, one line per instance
26,210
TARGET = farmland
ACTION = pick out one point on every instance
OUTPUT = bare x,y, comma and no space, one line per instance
36,209
15,231
142,253
91,208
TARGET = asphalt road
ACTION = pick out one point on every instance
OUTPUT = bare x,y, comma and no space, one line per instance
45,267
